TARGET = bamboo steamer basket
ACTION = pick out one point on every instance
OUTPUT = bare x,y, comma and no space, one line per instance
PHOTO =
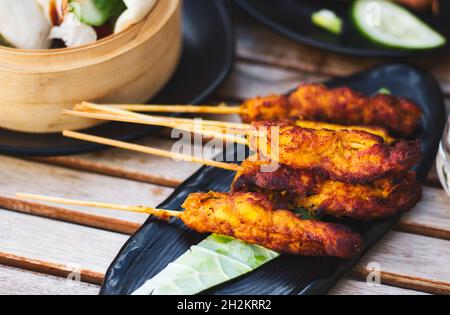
129,67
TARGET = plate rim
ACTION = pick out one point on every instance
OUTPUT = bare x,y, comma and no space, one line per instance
249,9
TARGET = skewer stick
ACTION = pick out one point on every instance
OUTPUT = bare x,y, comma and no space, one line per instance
153,121
92,204
200,109
149,150
156,121
118,111
205,131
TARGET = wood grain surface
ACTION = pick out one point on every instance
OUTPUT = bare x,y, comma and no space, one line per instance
18,281
37,178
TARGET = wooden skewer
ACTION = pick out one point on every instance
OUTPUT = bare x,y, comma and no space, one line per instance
121,112
109,117
211,128
149,150
205,131
158,121
92,204
199,109
233,128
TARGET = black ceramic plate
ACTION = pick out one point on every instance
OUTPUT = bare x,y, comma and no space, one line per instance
158,243
207,58
292,18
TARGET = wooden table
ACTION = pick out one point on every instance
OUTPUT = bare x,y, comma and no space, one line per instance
41,244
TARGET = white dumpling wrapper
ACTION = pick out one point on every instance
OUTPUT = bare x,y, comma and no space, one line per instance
23,24
47,7
73,32
135,12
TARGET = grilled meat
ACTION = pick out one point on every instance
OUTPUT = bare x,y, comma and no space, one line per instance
251,217
345,156
293,188
340,106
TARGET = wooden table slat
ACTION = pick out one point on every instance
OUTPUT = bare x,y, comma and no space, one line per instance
400,255
410,261
134,165
37,178
21,282
27,240
357,287
431,216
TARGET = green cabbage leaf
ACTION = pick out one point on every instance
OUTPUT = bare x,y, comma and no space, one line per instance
213,261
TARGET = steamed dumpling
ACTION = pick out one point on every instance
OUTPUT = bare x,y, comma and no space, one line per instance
53,10
73,32
136,11
66,25
23,24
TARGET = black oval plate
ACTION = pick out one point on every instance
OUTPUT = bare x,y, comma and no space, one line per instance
158,243
207,58
292,18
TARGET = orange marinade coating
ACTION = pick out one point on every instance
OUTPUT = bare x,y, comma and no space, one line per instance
343,106
344,155
293,188
253,177
250,217
382,199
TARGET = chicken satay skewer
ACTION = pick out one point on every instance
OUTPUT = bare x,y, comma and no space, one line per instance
326,150
329,151
251,218
103,112
318,103
306,189
232,127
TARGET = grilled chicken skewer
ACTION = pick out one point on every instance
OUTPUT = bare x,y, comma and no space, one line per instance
315,102
110,113
292,188
251,218
350,156
344,155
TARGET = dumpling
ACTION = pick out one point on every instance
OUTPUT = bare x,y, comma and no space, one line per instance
53,10
73,32
24,25
66,25
136,11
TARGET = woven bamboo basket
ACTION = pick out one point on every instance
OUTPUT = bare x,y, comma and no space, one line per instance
129,67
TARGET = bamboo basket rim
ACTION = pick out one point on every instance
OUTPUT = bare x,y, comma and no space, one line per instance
160,21
55,51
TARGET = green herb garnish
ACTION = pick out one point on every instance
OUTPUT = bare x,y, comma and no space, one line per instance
305,214
385,91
